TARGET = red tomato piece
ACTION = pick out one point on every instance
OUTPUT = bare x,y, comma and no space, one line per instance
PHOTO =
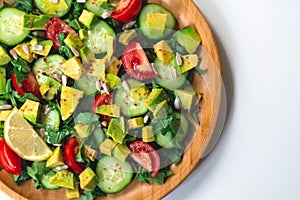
9,160
70,152
127,10
102,99
136,63
144,154
56,26
29,85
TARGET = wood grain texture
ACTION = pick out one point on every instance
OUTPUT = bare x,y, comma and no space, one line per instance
210,85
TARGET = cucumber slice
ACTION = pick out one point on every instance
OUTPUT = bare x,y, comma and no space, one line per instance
129,107
45,179
96,37
87,83
11,20
93,6
52,120
153,8
49,65
59,9
113,175
165,77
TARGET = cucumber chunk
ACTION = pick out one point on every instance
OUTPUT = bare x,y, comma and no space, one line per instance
11,23
93,6
113,175
49,65
155,9
86,83
59,9
45,179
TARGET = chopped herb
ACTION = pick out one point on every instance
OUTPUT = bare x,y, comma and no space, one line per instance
63,49
106,7
55,137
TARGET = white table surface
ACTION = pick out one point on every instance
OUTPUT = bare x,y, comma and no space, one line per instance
258,155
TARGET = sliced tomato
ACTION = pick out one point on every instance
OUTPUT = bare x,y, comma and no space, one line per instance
126,10
136,63
70,152
144,154
56,26
9,160
29,85
102,99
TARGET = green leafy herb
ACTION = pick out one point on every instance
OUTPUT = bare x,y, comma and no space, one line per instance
86,118
78,7
75,24
144,176
63,49
18,179
79,156
106,7
177,47
55,137
20,68
162,124
35,171
91,195
24,5
200,71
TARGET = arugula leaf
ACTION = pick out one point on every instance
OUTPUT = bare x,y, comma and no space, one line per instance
20,68
63,49
24,5
106,7
55,137
162,124
86,118
78,7
18,179
91,195
143,175
36,170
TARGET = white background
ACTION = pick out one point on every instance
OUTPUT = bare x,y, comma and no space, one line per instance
258,155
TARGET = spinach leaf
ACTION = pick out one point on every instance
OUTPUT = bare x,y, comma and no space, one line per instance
55,137
63,49
91,195
86,118
35,171
106,7
24,5
162,124
143,175
18,179
20,68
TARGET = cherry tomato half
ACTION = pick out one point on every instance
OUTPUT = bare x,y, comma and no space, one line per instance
9,160
136,63
29,85
70,152
56,26
127,10
102,99
144,154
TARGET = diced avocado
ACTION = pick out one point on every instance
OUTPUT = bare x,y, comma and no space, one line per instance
28,56
189,62
82,130
73,68
156,96
30,110
110,45
126,37
161,109
4,57
109,110
97,68
48,86
4,114
35,22
72,193
107,146
121,152
138,89
164,52
116,129
56,159
114,66
63,178
135,123
112,80
187,98
88,179
156,23
73,41
54,8
83,34
47,45
89,152
148,134
188,38
86,18
69,101
86,55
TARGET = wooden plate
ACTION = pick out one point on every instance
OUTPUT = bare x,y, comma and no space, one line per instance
186,13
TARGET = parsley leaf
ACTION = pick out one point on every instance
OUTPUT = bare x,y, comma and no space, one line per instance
106,7
55,137
63,49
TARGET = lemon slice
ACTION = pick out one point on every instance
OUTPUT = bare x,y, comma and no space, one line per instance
23,139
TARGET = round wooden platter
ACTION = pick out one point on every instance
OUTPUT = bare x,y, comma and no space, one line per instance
209,85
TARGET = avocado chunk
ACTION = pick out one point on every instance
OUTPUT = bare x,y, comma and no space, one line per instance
48,86
4,114
73,68
126,37
121,152
107,146
156,96
28,56
73,41
89,152
97,68
30,110
4,57
135,123
110,45
138,89
188,38
164,52
88,179
63,178
109,110
47,45
161,109
187,98
72,193
86,18
148,134
56,159
114,65
83,34
35,22
156,23
86,55
112,80
82,130
69,101
51,8
116,129
189,62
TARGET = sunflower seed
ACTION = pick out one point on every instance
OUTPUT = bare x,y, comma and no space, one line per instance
146,118
106,14
59,168
35,56
105,88
37,47
177,103
47,110
75,51
104,123
64,80
53,1
57,145
6,107
174,73
179,59
26,49
39,33
128,25
14,54
126,86
153,68
98,85
81,1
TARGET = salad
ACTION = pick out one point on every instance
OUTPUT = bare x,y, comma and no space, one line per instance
94,94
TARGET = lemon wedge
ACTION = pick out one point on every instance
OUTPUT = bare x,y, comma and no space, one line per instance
23,139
